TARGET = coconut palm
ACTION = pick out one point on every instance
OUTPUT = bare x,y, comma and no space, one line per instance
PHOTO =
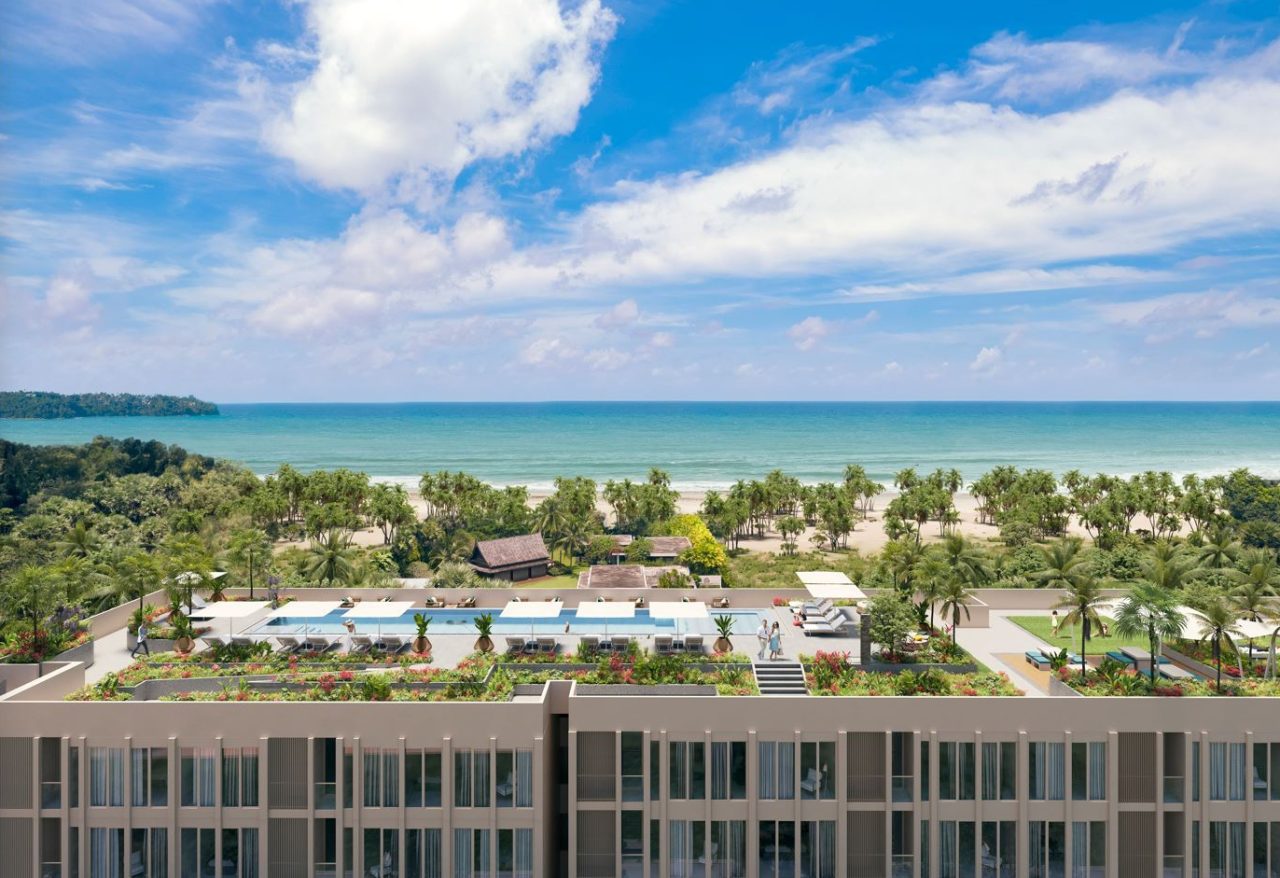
1170,571
141,575
1149,609
1083,597
1219,623
900,558
930,576
966,560
1261,574
80,542
954,598
330,557
1219,550
1064,564
250,552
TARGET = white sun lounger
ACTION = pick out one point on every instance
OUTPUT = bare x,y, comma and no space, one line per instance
212,640
288,643
693,643
361,643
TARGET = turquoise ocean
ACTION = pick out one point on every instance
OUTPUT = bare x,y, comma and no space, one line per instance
707,445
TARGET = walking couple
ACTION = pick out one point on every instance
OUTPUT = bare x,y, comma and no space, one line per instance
769,638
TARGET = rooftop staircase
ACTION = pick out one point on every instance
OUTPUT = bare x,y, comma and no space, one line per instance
780,678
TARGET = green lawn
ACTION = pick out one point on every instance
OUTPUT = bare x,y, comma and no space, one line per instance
1069,638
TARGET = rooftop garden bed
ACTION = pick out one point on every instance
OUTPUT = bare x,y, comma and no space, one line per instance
830,673
1112,679
1068,636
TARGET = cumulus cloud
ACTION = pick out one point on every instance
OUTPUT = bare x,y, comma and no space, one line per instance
624,313
987,360
413,94
808,332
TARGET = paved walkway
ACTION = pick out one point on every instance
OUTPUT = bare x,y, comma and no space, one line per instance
110,653
986,645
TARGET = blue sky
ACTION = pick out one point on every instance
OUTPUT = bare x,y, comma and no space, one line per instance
340,200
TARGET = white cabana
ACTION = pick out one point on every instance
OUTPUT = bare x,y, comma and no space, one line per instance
305,610
378,610
190,579
830,585
229,610
606,610
531,612
678,610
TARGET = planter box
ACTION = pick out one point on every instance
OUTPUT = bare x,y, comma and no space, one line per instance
919,667
81,653
1057,688
1196,667
625,689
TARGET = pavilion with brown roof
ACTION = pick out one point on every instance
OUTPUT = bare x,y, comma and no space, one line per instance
512,558
660,548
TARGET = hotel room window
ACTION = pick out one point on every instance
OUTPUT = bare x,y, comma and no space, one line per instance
106,776
515,853
903,772
1089,850
471,778
1226,772
196,853
240,777
687,847
381,777
688,769
999,849
728,848
1266,771
955,770
630,842
149,853
777,849
471,853
106,850
1046,849
239,853
1227,853
999,771
631,767
817,767
729,770
515,779
818,849
381,853
149,770
655,771
777,769
957,845
1195,771
422,778
73,775
1088,770
1046,770
422,853
199,776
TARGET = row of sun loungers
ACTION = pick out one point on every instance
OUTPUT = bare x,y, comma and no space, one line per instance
663,643
1041,661
829,621
541,645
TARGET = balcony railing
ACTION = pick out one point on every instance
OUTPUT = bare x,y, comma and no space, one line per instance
903,787
1173,787
902,865
51,794
596,787
50,870
1172,866
326,795
325,870
633,788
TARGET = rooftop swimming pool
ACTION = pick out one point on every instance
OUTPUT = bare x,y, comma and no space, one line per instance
454,621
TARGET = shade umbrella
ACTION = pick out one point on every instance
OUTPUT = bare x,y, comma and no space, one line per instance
378,610
305,610
191,579
531,612
678,610
606,610
230,610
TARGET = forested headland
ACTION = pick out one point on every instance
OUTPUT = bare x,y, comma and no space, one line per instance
43,405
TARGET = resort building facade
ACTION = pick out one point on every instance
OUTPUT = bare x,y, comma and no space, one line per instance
565,779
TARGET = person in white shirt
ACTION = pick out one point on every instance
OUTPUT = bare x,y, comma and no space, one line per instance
762,636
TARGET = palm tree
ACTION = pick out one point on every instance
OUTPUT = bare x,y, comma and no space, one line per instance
1219,621
900,557
930,575
1151,610
1219,551
1261,574
954,598
80,542
141,575
330,557
1064,564
250,551
1083,597
967,561
1170,571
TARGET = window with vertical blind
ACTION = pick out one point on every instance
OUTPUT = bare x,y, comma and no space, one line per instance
818,848
422,778
381,852
687,761
106,776
1088,770
777,767
957,848
149,777
514,776
729,770
515,853
1226,772
471,853
728,849
1266,771
106,848
240,777
999,770
686,846
199,776
381,777
1046,770
1088,849
1228,856
149,852
422,853
999,848
471,778
955,770
1046,849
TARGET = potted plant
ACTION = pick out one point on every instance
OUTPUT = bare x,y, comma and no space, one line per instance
484,627
421,644
724,625
185,638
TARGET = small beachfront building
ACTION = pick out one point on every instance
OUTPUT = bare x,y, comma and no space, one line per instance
666,549
512,558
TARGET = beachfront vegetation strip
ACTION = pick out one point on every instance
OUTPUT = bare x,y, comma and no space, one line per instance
1111,679
830,673
48,406
92,526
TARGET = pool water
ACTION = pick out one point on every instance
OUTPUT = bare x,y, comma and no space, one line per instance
454,621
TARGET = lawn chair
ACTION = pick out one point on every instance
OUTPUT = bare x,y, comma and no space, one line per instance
361,643
720,603
433,601
547,645
621,642
319,643
391,643
213,640
1038,659
467,602
663,644
592,643
515,645
693,643
288,644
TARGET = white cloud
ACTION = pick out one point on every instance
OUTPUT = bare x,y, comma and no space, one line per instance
808,332
78,32
987,360
1254,353
412,94
891,368
662,340
1203,313
622,314
1009,280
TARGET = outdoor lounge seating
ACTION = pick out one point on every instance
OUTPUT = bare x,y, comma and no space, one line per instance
467,602
590,643
361,643
663,644
830,624
621,642
1037,658
288,644
547,645
433,602
212,640
693,643
243,640
515,645
721,603
1173,672
319,643
391,643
